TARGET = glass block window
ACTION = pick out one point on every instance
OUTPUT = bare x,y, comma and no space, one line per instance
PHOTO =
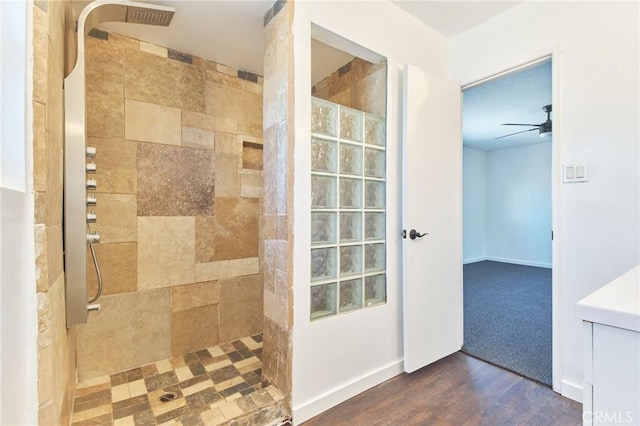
348,189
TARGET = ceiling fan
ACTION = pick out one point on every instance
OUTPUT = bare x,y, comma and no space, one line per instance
544,129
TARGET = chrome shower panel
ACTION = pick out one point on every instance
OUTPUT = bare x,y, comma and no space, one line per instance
76,182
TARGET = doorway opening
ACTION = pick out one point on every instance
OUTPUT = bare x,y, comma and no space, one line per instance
507,221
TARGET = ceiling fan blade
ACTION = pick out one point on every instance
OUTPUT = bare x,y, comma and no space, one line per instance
520,124
517,133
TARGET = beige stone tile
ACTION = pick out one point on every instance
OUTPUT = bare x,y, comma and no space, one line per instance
120,392
251,185
215,351
227,269
39,147
40,54
240,307
118,267
40,205
105,110
116,161
231,102
152,123
229,383
142,317
250,129
117,215
137,388
166,251
163,366
91,413
250,343
197,138
153,49
54,253
231,410
205,233
42,275
194,295
191,82
175,181
252,155
104,87
45,373
163,81
236,217
124,421
194,329
177,362
248,364
213,416
150,78
209,122
183,373
218,365
197,387
94,381
123,42
227,180
226,70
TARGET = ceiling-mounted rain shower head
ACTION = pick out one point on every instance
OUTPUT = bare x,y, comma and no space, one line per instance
101,11
144,15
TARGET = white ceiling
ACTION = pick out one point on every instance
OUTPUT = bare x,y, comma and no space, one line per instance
452,17
231,31
515,98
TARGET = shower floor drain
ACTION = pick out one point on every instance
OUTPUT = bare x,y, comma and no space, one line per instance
166,397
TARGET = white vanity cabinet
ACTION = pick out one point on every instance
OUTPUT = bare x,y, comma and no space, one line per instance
611,324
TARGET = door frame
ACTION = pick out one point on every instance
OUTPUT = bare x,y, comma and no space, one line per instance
554,53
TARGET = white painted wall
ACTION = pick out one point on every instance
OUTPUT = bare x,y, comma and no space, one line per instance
596,119
518,215
474,205
18,314
336,358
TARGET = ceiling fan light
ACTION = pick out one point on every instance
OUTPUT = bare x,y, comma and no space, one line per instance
546,134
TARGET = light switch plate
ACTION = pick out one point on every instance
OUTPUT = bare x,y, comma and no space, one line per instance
574,172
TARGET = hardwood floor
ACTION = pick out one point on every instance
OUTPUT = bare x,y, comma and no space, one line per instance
457,390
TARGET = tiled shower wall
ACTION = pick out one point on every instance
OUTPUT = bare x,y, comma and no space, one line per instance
179,190
278,177
56,344
358,84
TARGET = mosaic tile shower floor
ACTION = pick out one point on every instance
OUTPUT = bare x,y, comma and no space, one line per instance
214,386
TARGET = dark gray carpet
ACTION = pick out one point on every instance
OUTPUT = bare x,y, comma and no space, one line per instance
507,317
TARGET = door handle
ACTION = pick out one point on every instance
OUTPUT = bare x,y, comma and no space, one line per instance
413,234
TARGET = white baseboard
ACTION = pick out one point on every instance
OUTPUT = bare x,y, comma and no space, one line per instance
474,260
572,391
519,262
312,408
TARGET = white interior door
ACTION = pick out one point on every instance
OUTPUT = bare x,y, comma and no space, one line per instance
432,204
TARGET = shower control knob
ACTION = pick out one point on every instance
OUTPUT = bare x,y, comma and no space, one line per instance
91,151
91,184
91,200
92,217
93,238
91,167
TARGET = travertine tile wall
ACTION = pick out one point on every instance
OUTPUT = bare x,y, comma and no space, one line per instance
179,189
359,84
56,344
278,176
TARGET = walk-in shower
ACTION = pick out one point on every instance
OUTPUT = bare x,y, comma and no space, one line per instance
79,164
